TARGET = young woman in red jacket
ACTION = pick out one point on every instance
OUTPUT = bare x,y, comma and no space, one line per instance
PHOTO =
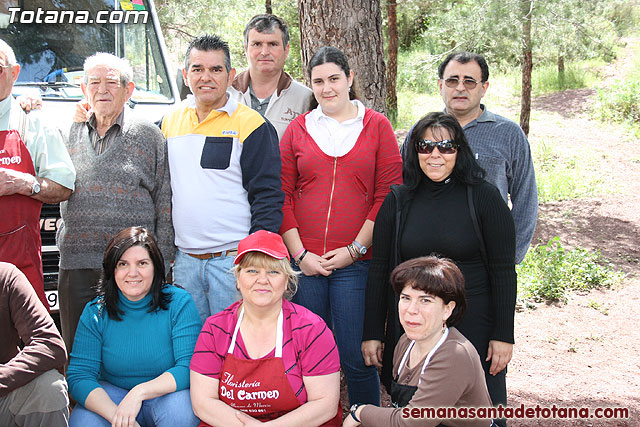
338,163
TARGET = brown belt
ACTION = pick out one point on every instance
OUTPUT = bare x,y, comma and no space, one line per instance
230,252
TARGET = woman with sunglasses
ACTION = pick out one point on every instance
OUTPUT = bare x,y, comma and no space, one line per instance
446,207
338,163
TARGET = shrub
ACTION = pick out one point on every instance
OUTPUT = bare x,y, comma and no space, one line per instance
620,102
549,271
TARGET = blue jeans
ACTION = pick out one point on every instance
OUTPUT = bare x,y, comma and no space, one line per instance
209,281
171,410
339,300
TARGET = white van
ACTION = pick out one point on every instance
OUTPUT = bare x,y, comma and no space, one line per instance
51,40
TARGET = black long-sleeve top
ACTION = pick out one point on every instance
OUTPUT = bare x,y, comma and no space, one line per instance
435,218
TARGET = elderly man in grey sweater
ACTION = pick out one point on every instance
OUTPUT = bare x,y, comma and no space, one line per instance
122,181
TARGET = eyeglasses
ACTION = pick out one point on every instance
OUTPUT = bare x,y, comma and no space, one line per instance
446,146
454,81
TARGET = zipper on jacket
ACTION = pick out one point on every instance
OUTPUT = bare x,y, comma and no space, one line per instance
333,186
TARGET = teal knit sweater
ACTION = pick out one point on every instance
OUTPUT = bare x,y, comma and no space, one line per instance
136,349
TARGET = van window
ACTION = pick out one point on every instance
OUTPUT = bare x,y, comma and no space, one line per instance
52,38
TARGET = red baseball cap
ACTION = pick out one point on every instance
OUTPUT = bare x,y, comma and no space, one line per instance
262,241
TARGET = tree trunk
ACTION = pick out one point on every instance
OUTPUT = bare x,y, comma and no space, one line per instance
561,80
267,7
560,64
392,63
527,66
355,27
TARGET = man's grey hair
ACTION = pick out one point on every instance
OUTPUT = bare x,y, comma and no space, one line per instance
8,51
111,61
267,23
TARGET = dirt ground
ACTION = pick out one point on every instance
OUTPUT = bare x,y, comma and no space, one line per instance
585,353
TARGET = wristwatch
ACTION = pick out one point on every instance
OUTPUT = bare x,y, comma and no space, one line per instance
353,409
362,250
35,186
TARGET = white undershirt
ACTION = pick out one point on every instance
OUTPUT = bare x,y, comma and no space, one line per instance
335,139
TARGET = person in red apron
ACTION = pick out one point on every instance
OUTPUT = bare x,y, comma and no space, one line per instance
22,189
20,219
434,365
265,358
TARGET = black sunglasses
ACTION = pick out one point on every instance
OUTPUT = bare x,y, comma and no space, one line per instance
446,146
468,83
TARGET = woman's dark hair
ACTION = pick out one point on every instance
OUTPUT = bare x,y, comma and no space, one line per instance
466,170
331,54
435,276
107,288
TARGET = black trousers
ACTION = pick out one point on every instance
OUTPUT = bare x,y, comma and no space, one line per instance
75,289
477,326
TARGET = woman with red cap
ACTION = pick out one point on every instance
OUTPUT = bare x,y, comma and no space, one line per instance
265,358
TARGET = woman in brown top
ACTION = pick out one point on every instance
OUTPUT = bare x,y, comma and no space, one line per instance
434,365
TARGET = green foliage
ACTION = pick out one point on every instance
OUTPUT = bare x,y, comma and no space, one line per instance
549,271
181,21
564,176
414,18
624,15
413,105
288,10
418,72
574,29
620,102
568,29
546,78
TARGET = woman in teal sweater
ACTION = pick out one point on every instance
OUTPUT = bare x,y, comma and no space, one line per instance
130,360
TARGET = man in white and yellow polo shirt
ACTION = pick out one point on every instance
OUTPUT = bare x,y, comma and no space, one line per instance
225,176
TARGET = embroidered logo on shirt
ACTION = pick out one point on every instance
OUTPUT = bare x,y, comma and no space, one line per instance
289,115
230,132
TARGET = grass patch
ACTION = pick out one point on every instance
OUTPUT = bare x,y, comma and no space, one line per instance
621,101
565,176
546,79
549,271
412,105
